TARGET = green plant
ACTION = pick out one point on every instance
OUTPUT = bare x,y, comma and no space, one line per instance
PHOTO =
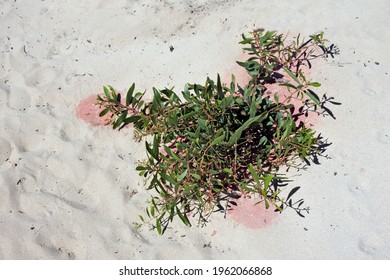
218,142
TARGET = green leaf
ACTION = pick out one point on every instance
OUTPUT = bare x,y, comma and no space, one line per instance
242,64
233,84
114,101
291,74
168,178
312,96
172,154
197,89
267,36
196,176
190,114
120,120
140,168
197,133
266,201
252,67
129,96
132,119
186,94
237,134
188,189
182,175
152,210
248,189
247,92
173,98
254,174
276,98
219,88
217,140
99,98
302,76
155,146
245,40
239,101
202,124
158,226
136,99
315,84
161,187
267,180
147,212
183,217
107,92
104,112
227,102
253,109
214,172
156,98
171,210
228,170
263,140
113,93
151,151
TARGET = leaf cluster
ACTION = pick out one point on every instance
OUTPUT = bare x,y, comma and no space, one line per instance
215,142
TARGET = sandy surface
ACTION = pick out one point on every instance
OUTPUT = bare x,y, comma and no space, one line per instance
69,189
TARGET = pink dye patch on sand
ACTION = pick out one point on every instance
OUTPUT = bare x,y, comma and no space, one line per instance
89,111
252,215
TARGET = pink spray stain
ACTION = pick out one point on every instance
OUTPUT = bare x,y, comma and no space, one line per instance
88,111
251,214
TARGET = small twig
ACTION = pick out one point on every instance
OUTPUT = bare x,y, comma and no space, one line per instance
25,51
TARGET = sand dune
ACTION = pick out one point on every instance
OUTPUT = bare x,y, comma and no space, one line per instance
69,189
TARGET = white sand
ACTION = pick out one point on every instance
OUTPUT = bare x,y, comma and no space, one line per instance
70,190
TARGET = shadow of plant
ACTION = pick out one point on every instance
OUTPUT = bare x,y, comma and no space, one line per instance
218,142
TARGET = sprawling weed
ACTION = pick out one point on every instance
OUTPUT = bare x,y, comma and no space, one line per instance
215,142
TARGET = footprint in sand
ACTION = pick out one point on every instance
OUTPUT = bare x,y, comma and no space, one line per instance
18,99
372,244
41,77
5,150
